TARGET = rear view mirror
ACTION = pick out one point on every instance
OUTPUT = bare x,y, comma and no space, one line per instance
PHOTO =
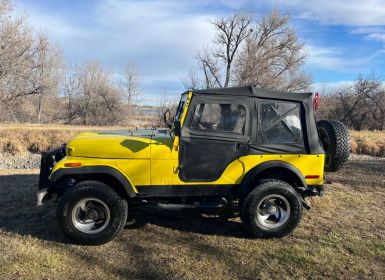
167,118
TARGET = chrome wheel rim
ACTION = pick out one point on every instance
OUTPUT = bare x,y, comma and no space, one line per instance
273,211
90,215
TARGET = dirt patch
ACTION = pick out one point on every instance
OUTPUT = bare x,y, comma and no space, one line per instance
341,237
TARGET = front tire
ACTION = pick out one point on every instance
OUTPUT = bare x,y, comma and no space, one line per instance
91,213
272,209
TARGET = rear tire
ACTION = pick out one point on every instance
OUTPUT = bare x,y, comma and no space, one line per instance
335,140
272,209
91,213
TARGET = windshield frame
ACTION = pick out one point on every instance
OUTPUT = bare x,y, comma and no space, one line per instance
180,108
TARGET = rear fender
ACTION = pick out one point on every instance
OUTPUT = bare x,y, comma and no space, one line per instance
273,170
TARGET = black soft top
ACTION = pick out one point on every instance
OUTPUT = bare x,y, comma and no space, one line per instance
256,92
311,144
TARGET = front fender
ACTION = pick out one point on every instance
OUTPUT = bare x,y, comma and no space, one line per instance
61,173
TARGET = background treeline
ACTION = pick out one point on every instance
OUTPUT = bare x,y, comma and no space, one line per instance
38,86
360,105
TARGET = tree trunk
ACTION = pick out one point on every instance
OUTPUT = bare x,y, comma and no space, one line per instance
40,108
13,115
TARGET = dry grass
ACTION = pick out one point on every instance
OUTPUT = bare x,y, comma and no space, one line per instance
368,142
341,237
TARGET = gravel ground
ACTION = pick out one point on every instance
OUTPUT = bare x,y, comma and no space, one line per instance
32,161
364,157
27,161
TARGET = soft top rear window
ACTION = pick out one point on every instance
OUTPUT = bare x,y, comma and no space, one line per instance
280,122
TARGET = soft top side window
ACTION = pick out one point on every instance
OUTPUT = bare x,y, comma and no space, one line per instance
280,122
219,117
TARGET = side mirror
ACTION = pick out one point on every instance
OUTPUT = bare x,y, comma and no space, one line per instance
167,118
177,130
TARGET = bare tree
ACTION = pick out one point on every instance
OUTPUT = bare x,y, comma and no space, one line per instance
28,65
191,81
5,7
360,105
71,92
216,63
92,97
265,53
17,55
130,87
47,74
273,56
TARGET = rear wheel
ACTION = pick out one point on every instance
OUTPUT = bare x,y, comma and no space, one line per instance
91,213
272,209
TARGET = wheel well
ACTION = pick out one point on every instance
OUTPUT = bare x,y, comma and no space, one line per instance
109,180
278,173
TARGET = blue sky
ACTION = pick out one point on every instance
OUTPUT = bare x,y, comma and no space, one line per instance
343,38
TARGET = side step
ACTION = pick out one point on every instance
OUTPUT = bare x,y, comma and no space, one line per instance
178,206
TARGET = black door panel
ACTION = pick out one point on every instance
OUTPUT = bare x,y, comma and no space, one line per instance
216,132
206,159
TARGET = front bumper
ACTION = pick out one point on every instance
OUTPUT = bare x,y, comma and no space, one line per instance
48,161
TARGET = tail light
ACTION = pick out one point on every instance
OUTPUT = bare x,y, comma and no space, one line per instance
316,101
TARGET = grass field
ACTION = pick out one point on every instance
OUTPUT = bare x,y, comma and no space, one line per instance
19,139
341,237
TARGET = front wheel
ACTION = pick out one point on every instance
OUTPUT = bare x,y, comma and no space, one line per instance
272,209
91,213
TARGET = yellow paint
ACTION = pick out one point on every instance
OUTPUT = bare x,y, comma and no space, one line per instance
161,165
116,146
163,171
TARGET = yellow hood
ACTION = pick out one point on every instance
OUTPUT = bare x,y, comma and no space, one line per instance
113,144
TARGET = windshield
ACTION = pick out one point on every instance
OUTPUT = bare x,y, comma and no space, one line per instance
180,107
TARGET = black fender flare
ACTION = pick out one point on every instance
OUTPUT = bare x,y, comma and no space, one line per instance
88,170
255,171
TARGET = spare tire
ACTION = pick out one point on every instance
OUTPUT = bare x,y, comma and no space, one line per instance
335,139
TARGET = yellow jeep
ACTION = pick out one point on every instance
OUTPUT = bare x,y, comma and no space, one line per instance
260,150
